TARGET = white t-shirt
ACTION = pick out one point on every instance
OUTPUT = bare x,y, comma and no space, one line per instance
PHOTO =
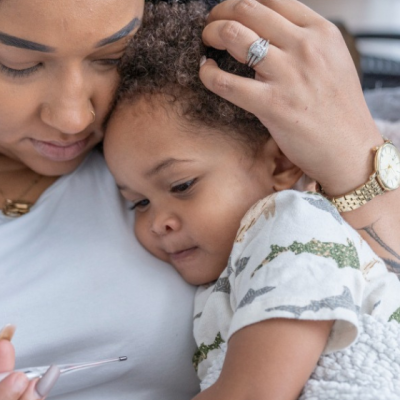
294,257
80,288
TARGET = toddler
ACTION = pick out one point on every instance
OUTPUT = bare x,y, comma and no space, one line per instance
280,284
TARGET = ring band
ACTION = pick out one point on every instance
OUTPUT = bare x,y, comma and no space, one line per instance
257,52
93,114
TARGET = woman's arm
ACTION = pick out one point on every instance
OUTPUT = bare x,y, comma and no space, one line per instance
272,359
308,94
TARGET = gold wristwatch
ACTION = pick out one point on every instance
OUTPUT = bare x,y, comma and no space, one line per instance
385,178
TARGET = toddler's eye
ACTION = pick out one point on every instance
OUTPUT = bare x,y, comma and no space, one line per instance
183,187
140,204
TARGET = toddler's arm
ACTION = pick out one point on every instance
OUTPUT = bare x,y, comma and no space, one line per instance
272,359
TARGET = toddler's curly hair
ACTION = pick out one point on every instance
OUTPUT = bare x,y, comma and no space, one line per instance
163,59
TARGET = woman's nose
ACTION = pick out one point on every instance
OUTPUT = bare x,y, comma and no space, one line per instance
163,224
69,120
68,108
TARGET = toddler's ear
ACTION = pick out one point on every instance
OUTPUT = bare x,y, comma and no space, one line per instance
285,173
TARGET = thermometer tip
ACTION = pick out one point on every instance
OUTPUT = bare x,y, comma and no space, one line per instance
123,358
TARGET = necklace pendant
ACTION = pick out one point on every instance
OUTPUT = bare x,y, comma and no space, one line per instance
16,208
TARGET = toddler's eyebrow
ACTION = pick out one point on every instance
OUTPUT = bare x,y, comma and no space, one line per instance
167,163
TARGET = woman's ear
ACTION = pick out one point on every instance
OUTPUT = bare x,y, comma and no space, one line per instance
284,173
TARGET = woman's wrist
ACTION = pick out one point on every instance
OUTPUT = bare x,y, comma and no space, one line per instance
351,168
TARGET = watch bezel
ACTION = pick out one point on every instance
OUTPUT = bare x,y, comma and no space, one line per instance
377,166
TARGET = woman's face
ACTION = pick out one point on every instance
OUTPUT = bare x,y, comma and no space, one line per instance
58,63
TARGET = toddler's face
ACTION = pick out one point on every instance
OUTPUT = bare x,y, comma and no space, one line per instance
189,189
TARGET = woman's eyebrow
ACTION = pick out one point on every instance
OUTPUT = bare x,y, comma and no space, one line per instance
14,41
125,31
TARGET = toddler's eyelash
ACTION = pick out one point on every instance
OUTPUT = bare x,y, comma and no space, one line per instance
139,204
183,187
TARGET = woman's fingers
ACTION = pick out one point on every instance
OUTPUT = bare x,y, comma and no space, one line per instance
17,386
260,19
7,356
31,392
229,86
237,39
14,386
7,332
278,13
229,35
294,11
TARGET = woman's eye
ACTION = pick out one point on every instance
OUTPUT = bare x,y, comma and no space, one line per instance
140,204
19,73
110,62
183,187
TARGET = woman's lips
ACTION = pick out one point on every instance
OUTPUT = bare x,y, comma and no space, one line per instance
57,151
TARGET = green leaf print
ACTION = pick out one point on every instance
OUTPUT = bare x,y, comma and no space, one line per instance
395,316
345,256
203,350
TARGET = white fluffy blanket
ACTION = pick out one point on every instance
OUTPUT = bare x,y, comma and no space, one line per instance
367,370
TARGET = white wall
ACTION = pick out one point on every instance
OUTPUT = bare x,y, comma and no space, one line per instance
365,15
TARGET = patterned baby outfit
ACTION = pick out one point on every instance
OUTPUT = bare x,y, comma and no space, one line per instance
293,257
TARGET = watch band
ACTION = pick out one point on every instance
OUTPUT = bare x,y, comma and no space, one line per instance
358,197
375,185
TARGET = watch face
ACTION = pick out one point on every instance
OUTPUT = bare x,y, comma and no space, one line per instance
388,166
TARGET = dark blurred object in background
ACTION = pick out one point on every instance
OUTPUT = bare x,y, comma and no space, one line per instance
379,72
375,72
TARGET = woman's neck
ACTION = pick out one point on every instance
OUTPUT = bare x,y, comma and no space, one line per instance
8,164
19,182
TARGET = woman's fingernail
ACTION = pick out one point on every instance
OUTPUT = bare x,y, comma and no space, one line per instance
7,332
47,381
203,60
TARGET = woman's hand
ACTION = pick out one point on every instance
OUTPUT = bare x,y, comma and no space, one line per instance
307,91
16,386
308,94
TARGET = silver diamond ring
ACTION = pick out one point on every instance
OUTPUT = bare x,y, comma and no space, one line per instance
257,51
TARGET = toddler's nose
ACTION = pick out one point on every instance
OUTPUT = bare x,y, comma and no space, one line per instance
164,224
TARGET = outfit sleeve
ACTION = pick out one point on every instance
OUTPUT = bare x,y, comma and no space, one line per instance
295,257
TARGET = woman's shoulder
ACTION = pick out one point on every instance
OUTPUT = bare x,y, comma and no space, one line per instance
92,175
93,165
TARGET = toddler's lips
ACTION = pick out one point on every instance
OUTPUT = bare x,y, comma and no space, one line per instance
57,151
182,254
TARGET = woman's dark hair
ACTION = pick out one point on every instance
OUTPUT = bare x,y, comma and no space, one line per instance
163,59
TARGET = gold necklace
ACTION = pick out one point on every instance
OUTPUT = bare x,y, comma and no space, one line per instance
17,208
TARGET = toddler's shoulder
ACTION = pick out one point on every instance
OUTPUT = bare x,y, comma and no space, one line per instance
291,210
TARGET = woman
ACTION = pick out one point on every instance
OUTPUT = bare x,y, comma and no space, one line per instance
71,279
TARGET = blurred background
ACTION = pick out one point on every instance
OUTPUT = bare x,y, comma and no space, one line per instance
372,31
